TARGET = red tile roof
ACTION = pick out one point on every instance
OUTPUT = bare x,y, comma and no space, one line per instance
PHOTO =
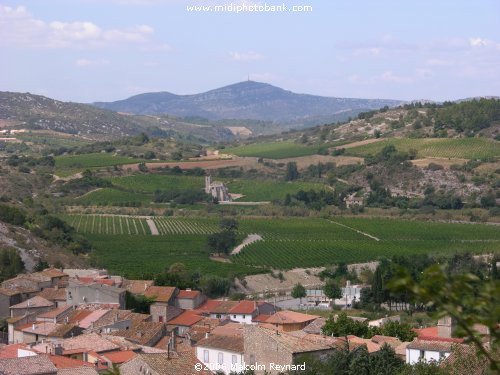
188,294
290,317
160,293
208,306
10,351
34,302
431,334
261,318
224,342
65,362
36,364
54,313
244,307
187,318
119,357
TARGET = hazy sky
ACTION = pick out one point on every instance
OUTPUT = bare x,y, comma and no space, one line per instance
89,50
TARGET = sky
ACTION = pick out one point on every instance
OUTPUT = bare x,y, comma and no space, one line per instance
104,50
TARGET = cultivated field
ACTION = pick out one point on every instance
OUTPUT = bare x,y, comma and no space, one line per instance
273,150
466,148
124,244
73,163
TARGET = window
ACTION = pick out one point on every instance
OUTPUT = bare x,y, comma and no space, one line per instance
218,316
220,358
205,356
234,316
160,319
244,316
422,354
234,359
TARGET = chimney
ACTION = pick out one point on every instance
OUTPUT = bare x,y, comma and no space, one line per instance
33,326
206,335
446,326
29,303
172,343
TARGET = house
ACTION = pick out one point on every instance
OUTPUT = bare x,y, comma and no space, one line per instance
220,310
32,281
142,333
380,322
352,201
286,347
117,358
57,315
38,331
163,308
427,350
30,365
248,311
217,190
56,295
35,305
78,293
137,287
190,299
184,321
8,298
224,353
163,364
57,277
287,321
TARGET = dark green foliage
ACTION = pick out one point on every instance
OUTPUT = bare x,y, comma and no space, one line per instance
292,173
11,263
215,286
298,291
222,242
40,266
228,224
185,196
12,215
138,303
468,117
332,290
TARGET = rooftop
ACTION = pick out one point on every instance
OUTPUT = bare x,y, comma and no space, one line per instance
140,332
34,302
188,294
160,293
170,365
224,342
137,286
32,365
119,357
54,313
53,294
90,341
290,317
187,318
244,307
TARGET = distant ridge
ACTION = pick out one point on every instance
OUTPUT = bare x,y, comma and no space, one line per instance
246,100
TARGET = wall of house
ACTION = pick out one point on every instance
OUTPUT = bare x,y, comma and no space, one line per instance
4,306
79,294
260,348
242,318
30,310
190,303
413,356
213,359
134,367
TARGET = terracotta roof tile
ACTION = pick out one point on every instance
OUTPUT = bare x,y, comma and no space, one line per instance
52,272
65,362
89,342
290,317
173,365
244,307
229,343
137,286
434,345
223,307
54,313
188,294
54,294
77,371
33,365
208,306
187,318
34,302
119,357
141,332
10,351
370,345
160,293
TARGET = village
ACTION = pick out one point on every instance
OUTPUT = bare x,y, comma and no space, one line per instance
76,321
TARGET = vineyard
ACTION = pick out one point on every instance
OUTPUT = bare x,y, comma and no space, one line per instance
110,196
80,162
125,244
150,182
273,150
268,190
468,148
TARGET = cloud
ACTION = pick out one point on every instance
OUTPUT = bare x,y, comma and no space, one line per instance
19,28
87,62
478,42
246,56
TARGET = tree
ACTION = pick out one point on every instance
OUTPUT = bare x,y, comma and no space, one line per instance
41,265
465,298
292,173
299,291
228,224
332,290
222,242
344,326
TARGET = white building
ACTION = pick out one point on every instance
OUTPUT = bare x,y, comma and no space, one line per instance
427,350
217,190
222,353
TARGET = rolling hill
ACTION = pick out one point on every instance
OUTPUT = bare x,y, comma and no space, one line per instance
248,100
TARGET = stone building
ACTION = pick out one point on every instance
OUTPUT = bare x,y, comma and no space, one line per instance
217,190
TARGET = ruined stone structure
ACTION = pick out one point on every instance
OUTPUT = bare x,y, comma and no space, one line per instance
217,190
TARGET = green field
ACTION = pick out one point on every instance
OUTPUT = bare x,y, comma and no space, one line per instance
467,148
111,196
140,188
92,160
151,182
268,190
273,150
124,244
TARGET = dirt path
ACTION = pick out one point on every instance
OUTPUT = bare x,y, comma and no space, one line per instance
152,227
251,238
359,143
356,230
88,192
